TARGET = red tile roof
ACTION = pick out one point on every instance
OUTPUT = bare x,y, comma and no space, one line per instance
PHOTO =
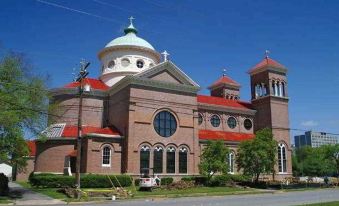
32,147
225,80
226,136
95,84
267,62
71,131
223,102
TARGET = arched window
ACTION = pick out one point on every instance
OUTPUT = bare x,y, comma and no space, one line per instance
111,64
183,160
274,88
283,89
282,158
165,124
231,160
106,156
170,160
144,157
157,159
140,63
215,120
200,119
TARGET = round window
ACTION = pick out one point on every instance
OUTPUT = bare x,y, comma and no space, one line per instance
125,62
231,122
165,124
111,64
140,64
215,121
200,119
248,124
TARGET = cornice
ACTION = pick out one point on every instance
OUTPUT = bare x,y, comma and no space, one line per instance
226,109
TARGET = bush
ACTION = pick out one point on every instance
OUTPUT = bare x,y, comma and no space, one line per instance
137,182
3,185
201,180
166,180
87,181
221,180
188,179
240,178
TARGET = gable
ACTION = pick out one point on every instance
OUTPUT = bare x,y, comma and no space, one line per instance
165,76
167,72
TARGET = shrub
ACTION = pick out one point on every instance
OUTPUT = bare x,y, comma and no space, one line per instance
240,178
166,180
201,180
188,179
137,182
87,181
3,185
221,180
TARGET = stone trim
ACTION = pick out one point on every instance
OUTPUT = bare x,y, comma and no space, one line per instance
270,69
226,109
74,91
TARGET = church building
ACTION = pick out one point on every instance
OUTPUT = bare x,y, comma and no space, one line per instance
144,112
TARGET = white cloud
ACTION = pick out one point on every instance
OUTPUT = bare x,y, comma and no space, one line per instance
309,123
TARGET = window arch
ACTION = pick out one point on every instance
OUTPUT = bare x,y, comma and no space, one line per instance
231,161
170,160
144,157
106,156
157,159
215,120
282,158
183,151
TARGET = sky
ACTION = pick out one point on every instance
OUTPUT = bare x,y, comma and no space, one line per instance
203,38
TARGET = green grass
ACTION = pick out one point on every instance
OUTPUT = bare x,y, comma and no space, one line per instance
5,200
195,191
323,204
51,192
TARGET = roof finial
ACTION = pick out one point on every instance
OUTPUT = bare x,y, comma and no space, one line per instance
131,20
165,54
267,52
131,28
224,72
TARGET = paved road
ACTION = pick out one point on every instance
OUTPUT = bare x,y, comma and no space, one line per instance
28,197
277,199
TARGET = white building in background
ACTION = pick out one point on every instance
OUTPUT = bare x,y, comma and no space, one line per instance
6,169
315,139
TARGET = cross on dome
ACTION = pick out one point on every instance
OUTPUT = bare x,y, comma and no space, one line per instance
131,20
131,28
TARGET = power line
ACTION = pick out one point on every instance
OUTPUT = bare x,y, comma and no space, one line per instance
77,10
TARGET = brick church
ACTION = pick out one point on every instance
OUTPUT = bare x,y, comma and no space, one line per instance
144,112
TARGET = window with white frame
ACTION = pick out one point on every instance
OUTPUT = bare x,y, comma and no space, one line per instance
231,160
106,156
282,158
183,160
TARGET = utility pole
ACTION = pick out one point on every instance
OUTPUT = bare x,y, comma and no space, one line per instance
80,77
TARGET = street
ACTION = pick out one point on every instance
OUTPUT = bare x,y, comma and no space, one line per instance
277,199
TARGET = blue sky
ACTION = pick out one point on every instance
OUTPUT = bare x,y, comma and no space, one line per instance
202,37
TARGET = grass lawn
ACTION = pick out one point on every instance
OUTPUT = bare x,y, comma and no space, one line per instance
196,191
323,204
5,200
51,192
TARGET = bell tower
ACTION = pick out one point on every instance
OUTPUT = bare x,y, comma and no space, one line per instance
225,87
269,98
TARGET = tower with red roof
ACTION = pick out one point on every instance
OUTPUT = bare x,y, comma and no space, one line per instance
270,100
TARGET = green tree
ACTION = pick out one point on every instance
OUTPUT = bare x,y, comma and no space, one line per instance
314,161
332,155
23,108
213,159
257,156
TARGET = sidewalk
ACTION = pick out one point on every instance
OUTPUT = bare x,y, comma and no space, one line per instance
28,197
